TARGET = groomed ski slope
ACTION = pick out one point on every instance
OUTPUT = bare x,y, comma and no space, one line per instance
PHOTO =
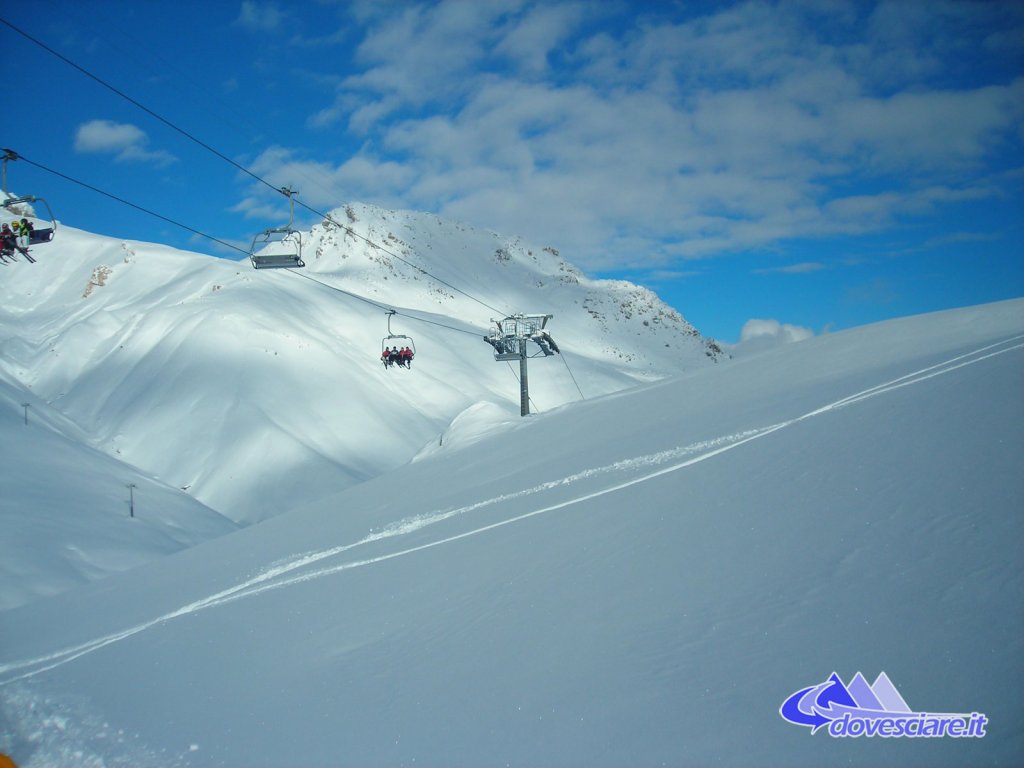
640,579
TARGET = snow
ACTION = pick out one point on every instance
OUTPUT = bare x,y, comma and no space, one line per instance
641,578
65,506
197,369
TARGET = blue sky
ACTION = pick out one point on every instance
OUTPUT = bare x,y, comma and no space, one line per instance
818,163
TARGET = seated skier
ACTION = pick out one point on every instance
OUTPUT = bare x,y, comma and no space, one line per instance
8,242
24,232
405,357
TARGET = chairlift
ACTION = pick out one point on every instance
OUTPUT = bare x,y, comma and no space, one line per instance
395,340
16,206
511,334
278,247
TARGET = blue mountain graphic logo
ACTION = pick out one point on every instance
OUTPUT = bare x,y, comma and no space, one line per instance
858,709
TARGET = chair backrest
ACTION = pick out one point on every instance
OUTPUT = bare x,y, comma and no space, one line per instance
41,236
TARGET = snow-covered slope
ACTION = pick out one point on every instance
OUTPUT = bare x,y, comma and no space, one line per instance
600,320
257,391
65,507
640,579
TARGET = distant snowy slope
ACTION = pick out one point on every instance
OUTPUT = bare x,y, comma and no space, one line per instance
64,507
611,320
258,391
641,579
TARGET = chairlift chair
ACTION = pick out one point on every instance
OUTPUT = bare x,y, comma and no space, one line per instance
396,339
279,247
40,235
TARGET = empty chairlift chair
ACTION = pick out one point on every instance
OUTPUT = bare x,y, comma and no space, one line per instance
277,249
280,247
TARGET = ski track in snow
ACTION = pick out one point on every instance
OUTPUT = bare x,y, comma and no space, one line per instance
277,576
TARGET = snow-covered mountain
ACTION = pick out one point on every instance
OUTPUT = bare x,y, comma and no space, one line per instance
639,579
258,391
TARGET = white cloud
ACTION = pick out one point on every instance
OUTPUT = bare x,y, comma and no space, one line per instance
926,131
532,38
259,17
319,185
757,329
123,140
670,275
429,52
762,335
793,269
106,136
710,135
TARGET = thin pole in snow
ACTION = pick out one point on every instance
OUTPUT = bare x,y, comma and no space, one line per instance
131,499
26,406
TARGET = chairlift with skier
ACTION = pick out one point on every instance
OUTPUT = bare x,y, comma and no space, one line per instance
25,207
397,348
